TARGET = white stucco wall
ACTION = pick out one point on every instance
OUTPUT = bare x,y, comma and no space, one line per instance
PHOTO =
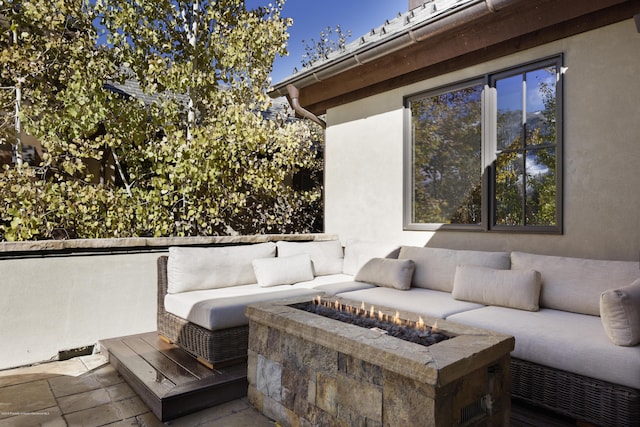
61,295
61,303
364,155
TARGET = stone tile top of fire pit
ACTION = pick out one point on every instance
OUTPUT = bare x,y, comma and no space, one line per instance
438,364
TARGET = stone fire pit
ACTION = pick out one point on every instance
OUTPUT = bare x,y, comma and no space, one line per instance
305,369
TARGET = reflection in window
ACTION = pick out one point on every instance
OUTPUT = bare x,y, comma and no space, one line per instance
525,168
506,121
447,149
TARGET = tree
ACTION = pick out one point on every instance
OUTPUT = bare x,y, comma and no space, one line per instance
199,159
447,157
331,40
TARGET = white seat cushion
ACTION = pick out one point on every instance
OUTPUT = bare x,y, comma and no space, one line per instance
421,301
222,308
333,284
567,341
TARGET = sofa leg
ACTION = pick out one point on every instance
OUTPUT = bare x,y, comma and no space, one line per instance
165,339
205,363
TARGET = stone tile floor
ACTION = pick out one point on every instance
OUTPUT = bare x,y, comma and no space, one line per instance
87,391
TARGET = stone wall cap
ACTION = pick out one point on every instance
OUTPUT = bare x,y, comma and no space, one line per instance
121,244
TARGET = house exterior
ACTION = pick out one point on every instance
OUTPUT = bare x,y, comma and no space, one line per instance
485,124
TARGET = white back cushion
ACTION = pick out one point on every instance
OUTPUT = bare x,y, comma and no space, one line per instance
436,267
358,252
575,284
326,256
192,269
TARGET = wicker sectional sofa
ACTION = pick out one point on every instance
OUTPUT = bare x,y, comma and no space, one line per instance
576,321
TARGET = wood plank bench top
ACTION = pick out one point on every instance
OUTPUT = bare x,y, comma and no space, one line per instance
169,380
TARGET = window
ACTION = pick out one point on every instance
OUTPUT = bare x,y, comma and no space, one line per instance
485,154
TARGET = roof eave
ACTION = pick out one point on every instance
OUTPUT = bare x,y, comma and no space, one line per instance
372,51
456,40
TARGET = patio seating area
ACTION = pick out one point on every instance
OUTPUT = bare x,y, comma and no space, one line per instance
88,391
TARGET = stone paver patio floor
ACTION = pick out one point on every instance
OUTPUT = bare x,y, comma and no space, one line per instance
87,391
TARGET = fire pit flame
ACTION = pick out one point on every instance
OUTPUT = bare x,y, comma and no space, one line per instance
414,331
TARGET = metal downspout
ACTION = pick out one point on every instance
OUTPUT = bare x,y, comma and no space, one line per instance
295,103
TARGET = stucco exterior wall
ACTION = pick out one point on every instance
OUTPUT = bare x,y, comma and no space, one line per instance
61,303
364,155
60,295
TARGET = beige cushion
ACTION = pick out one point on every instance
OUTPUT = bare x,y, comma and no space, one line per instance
507,288
191,269
326,256
620,314
436,267
390,273
282,270
358,252
575,284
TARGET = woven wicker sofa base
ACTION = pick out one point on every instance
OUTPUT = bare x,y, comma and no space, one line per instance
215,347
576,396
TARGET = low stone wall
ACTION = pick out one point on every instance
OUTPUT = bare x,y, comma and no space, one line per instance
67,294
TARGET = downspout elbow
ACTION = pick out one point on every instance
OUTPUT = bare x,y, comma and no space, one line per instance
294,94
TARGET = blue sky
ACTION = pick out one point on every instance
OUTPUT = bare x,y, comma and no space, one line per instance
310,17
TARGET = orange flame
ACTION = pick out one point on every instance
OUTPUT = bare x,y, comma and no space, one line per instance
396,319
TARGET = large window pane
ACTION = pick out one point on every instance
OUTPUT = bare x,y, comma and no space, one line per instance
447,162
512,132
524,175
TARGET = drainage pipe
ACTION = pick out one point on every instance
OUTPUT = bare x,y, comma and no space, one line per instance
294,95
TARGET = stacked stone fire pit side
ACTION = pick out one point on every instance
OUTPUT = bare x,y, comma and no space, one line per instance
305,369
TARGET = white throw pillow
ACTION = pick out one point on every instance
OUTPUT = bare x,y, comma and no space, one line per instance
387,272
326,256
620,314
507,288
358,252
193,269
283,270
